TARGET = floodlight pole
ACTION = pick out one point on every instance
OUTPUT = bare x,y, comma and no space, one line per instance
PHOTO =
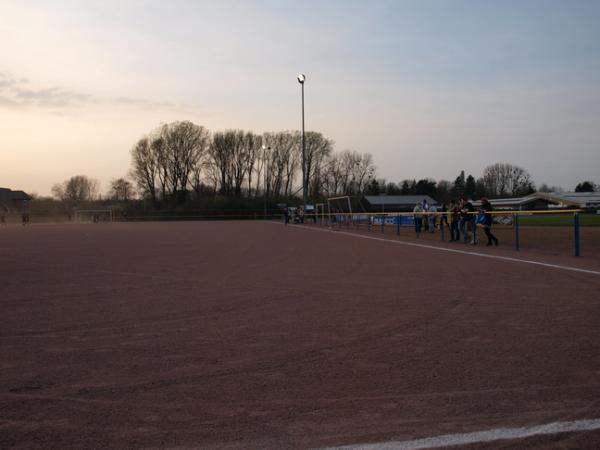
265,186
301,79
266,168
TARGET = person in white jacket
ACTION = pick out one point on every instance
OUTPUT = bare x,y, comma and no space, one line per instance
418,210
432,218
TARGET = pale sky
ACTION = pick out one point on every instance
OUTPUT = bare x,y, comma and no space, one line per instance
428,87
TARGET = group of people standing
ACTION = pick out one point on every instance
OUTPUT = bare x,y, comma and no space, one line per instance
460,217
425,222
296,215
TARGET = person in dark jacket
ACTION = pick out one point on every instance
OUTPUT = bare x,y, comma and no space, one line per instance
444,217
486,209
286,215
418,211
454,221
471,222
3,212
466,210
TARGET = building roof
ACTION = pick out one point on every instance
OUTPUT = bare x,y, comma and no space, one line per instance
398,200
558,200
582,199
20,195
8,195
518,201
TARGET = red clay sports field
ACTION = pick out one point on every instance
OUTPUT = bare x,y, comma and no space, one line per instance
250,334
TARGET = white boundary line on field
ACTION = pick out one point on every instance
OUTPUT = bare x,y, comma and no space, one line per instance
477,437
453,250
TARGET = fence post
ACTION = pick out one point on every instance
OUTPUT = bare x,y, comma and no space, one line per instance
398,220
516,220
576,231
383,224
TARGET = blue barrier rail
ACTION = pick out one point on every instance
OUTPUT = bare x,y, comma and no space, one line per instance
398,220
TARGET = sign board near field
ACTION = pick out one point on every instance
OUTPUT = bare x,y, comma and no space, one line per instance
393,220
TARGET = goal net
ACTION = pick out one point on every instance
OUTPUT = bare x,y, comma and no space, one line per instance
93,215
320,213
339,209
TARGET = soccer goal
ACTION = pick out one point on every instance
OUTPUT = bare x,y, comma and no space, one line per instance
320,214
93,215
339,209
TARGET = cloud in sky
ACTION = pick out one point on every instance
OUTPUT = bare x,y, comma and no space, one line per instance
18,93
428,87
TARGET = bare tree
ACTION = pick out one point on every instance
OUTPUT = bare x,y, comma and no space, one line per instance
145,167
285,160
78,188
170,160
318,148
211,174
121,190
221,154
158,146
186,145
346,173
238,167
290,144
260,168
252,144
281,162
364,171
275,168
181,156
506,179
332,172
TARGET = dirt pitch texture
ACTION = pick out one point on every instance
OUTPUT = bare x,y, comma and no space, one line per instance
243,335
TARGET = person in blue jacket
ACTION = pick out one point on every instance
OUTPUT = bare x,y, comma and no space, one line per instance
486,209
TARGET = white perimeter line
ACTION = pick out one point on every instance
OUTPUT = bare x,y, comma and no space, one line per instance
453,250
447,440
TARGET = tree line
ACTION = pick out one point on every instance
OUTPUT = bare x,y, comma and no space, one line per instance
182,160
498,180
81,188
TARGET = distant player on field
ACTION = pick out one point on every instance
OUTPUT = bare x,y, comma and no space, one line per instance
25,213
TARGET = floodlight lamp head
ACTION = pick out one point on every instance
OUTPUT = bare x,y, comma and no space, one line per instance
301,78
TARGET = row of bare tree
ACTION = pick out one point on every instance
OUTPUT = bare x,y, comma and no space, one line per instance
81,188
180,157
